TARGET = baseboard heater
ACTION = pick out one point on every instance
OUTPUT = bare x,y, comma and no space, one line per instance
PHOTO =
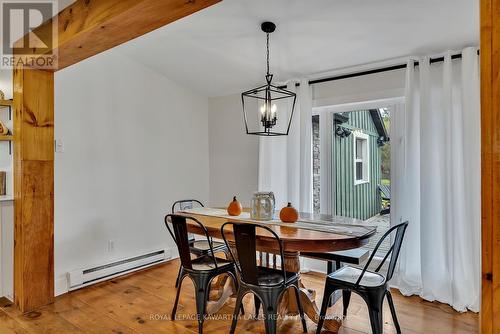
83,277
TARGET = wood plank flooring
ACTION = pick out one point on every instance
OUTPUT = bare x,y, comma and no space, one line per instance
141,303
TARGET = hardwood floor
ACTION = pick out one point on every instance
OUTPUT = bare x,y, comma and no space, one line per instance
141,303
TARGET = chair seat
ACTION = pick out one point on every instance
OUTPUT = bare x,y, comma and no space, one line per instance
206,263
271,276
202,247
350,275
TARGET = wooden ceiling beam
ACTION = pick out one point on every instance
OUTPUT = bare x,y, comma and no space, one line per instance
89,27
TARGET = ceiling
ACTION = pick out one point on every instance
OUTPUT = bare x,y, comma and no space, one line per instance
61,4
221,50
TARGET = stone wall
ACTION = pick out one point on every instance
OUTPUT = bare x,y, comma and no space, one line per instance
316,181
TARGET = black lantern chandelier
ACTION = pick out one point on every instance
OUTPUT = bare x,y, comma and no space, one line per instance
268,106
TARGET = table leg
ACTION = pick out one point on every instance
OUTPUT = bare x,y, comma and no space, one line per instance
223,289
217,287
224,294
307,297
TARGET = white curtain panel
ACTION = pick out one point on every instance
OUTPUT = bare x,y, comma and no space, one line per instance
285,162
435,149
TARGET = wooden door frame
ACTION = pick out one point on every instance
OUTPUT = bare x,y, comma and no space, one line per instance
85,29
490,165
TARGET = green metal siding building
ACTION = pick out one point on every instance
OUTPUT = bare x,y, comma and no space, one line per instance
358,137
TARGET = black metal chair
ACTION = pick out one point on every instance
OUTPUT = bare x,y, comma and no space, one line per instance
335,261
202,270
371,286
198,247
267,284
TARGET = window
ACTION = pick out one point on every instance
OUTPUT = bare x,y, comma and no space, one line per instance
361,158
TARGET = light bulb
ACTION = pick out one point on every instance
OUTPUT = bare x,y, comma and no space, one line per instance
273,108
263,109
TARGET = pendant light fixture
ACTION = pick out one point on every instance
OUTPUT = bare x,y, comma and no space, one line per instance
268,109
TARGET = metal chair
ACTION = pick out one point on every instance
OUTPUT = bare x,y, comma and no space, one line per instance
371,286
335,261
198,247
202,270
267,284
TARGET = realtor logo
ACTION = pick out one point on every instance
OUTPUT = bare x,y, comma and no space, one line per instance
28,33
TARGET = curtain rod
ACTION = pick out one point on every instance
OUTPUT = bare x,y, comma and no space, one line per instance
376,70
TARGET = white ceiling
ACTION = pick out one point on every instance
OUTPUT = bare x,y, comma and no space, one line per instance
221,50
61,4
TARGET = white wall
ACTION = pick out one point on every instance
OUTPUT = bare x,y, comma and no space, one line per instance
234,155
378,86
134,142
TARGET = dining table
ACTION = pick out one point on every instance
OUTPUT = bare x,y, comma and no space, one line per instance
310,233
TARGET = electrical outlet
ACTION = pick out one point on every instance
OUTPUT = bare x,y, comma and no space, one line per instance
111,245
59,146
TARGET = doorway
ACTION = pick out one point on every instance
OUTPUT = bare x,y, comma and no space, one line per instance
357,166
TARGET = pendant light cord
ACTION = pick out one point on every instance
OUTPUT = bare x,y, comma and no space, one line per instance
267,36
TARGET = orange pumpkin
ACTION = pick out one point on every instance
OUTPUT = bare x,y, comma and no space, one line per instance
234,208
288,214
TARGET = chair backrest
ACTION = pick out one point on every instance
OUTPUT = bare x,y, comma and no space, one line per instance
395,248
179,233
245,258
185,204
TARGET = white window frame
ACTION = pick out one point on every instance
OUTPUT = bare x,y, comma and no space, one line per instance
365,160
326,110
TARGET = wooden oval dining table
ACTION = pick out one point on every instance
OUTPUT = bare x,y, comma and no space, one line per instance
312,233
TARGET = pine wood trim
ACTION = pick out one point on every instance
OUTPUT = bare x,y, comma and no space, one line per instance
490,165
33,188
